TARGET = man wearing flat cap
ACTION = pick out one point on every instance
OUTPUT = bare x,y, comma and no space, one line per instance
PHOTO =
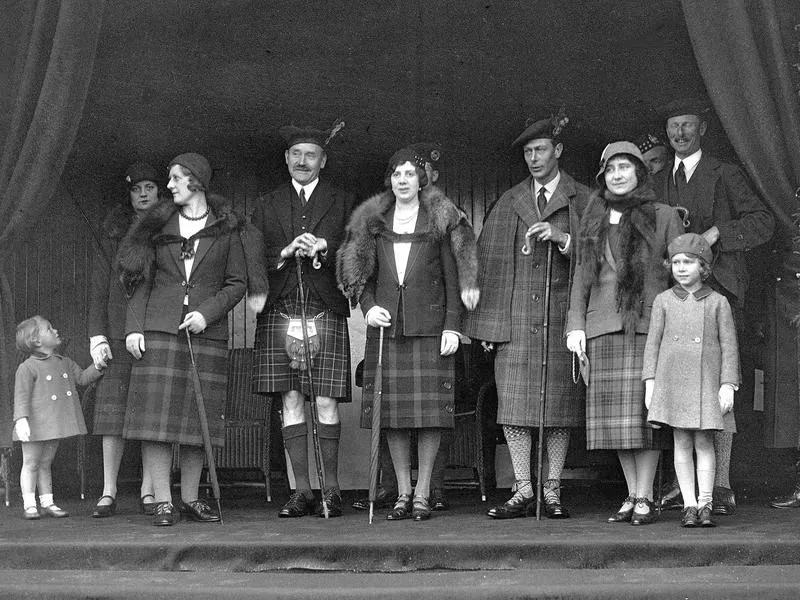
727,213
305,218
540,212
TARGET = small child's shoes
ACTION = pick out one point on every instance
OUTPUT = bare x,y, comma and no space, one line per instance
54,511
31,513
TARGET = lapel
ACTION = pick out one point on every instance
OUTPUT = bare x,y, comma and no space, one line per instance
421,225
172,227
560,197
281,201
203,245
609,256
319,204
524,205
706,176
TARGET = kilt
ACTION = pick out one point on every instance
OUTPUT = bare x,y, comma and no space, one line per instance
418,384
330,367
616,418
111,395
161,404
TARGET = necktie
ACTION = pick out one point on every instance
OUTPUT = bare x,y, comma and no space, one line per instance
541,201
680,179
303,196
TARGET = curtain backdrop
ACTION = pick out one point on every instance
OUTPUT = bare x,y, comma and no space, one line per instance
52,71
743,49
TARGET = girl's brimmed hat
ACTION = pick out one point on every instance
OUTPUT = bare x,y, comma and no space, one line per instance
615,148
691,243
197,164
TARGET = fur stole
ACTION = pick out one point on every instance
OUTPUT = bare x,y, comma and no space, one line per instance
357,256
636,227
117,222
137,251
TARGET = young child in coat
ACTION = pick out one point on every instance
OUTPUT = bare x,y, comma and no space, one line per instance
46,409
691,370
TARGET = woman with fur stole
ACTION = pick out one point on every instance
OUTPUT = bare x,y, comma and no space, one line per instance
622,245
409,259
188,263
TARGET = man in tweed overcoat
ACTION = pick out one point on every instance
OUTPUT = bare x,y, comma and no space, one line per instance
543,209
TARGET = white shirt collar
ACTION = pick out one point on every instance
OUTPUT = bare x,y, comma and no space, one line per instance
309,188
689,164
550,186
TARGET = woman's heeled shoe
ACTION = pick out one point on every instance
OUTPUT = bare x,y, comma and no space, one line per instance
147,508
101,511
624,515
401,510
421,509
644,518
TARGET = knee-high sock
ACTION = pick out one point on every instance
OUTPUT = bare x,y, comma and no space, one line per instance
399,442
442,456
329,448
723,443
557,446
295,438
519,446
684,466
706,459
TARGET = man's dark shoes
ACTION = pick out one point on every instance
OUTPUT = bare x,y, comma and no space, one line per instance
401,510
625,513
517,506
101,511
383,499
552,500
299,505
704,516
438,500
643,517
420,509
200,511
165,514
689,517
724,501
789,501
332,497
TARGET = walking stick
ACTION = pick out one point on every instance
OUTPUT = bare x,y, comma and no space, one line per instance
543,382
314,416
201,416
375,434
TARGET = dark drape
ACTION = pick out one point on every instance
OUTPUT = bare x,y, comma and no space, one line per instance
52,71
743,49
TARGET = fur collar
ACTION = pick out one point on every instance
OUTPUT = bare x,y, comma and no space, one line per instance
636,228
118,221
357,257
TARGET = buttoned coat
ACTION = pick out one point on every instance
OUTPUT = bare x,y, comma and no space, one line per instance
728,202
691,350
326,216
511,310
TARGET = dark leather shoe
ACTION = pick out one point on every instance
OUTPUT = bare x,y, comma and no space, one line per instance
689,517
790,501
401,510
671,498
101,511
438,500
624,515
145,507
724,501
644,518
704,516
332,497
383,499
420,509
54,512
517,506
200,511
165,514
31,514
299,505
552,500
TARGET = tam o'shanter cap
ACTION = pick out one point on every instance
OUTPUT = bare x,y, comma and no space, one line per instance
140,171
197,164
614,148
429,151
684,106
293,134
547,129
691,243
648,141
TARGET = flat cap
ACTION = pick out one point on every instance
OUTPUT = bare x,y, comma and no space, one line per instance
684,106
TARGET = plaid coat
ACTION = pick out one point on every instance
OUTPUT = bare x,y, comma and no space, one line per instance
511,310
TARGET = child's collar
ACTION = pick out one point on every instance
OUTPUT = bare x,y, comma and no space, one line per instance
704,291
42,356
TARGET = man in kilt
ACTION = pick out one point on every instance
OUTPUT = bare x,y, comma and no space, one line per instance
305,217
543,209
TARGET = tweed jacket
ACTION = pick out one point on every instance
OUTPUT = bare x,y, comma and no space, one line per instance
215,285
593,307
326,214
727,201
691,350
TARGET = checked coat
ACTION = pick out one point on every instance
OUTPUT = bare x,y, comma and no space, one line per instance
511,310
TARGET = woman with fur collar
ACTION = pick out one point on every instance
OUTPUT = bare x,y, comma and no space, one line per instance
188,263
409,259
622,245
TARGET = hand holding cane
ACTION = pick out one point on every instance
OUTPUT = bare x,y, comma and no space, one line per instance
311,390
375,434
203,418
543,382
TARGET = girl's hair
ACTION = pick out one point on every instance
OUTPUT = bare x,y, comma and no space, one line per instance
194,183
28,334
642,174
705,268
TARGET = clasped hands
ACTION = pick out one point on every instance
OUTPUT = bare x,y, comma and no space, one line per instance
305,244
377,316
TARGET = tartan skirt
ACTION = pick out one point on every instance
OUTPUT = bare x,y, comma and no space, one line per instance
161,402
418,384
330,367
616,418
111,395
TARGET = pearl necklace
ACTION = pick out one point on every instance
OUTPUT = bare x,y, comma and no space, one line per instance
197,218
404,220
